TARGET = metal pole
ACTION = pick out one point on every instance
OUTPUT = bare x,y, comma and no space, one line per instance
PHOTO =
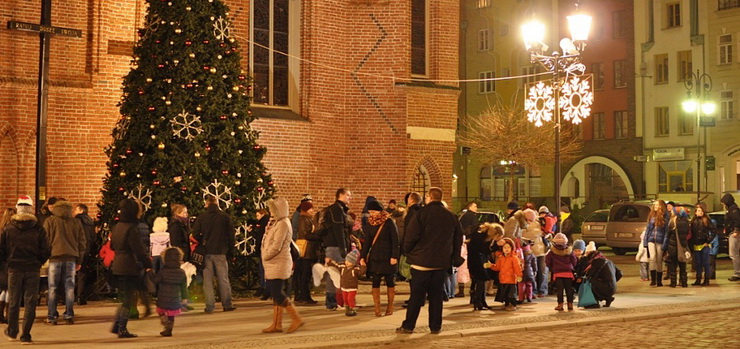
42,106
556,82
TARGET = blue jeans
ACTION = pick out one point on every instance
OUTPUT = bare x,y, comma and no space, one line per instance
216,263
22,286
701,262
57,270
542,276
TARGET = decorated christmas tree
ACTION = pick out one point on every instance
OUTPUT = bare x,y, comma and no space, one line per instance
184,131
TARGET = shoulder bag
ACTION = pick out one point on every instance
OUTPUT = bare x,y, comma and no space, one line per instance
380,229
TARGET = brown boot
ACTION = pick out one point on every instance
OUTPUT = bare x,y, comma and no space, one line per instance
570,306
376,301
559,307
296,321
460,290
277,320
391,296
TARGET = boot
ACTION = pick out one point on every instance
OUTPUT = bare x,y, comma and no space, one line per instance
460,290
376,301
659,279
684,281
168,324
570,306
559,307
391,296
706,279
116,327
652,278
673,281
698,280
123,331
296,321
277,320
3,320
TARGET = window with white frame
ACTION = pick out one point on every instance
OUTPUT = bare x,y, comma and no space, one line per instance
725,49
726,105
484,3
684,65
621,121
486,83
419,37
599,126
661,69
673,15
274,36
484,40
661,122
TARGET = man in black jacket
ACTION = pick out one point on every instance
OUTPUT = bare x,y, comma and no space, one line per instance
432,244
336,239
87,271
25,247
214,230
732,229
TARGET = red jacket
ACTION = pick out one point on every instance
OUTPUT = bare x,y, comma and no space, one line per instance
509,268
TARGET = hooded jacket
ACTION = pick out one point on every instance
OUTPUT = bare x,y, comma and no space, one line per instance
276,242
23,244
66,235
515,225
131,257
173,286
214,229
561,260
678,224
732,218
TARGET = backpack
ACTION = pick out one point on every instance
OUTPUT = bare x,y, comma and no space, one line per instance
322,222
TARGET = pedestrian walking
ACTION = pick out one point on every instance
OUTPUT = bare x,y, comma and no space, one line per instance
172,290
24,247
68,248
214,230
381,252
432,244
278,265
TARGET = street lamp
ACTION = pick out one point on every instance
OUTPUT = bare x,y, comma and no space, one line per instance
569,90
698,87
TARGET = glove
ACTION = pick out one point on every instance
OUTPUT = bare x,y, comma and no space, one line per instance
486,265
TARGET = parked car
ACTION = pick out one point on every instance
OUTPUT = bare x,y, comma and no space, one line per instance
627,220
594,227
490,217
719,218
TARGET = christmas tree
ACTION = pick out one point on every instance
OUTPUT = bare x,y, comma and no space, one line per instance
184,131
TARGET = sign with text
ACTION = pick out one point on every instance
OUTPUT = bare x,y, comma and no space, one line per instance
668,154
707,121
33,27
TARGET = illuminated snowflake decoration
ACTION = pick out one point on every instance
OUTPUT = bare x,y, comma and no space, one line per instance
540,103
142,195
250,134
219,191
576,98
122,127
221,29
151,25
259,200
244,242
186,125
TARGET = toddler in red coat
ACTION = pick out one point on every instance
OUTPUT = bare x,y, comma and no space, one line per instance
509,269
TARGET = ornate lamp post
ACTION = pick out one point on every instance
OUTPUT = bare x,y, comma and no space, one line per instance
568,89
698,87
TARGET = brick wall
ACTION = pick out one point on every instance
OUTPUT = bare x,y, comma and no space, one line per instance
353,135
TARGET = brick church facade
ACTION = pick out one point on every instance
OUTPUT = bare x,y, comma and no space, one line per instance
341,110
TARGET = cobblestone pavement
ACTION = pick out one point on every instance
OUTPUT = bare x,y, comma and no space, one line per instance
719,329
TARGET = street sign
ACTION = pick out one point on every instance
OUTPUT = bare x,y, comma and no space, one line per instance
710,163
707,121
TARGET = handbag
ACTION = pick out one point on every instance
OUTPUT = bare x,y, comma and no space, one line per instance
198,256
380,229
683,255
586,295
295,251
302,245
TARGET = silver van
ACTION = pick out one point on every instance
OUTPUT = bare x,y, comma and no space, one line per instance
594,227
627,220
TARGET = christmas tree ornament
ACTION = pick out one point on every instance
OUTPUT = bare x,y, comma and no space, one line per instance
186,126
218,191
142,195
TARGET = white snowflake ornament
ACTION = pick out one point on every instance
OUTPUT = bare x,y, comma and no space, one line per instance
244,242
540,103
219,191
221,29
576,98
186,126
142,196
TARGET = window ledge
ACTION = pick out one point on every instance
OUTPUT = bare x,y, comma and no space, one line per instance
275,113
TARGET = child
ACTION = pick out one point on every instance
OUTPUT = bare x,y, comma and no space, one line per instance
510,270
173,289
561,261
349,272
159,240
642,257
526,287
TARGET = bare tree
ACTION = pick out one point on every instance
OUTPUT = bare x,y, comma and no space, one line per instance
502,134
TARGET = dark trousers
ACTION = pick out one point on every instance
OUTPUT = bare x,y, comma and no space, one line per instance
275,287
426,284
564,284
303,279
672,264
127,286
389,280
25,285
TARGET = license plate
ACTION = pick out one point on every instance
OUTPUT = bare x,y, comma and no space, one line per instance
624,235
596,227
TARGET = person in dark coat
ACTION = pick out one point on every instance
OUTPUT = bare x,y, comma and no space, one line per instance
604,276
479,250
24,247
678,232
703,232
87,272
432,244
469,219
310,256
336,239
732,230
381,252
130,261
173,289
567,227
179,229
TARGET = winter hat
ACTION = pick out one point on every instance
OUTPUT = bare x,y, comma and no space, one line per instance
392,201
172,256
579,245
24,200
374,206
591,247
544,209
513,205
530,214
560,239
160,225
564,209
306,197
305,206
352,257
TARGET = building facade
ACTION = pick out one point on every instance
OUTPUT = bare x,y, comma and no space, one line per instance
348,93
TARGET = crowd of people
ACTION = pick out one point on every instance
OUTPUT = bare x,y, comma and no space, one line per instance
528,254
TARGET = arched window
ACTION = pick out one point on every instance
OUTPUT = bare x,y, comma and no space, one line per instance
421,182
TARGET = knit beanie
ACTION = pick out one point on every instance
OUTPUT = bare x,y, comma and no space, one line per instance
560,239
591,247
24,200
374,206
530,214
579,245
513,205
352,257
544,209
160,225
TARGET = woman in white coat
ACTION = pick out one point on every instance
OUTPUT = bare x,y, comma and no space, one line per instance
278,264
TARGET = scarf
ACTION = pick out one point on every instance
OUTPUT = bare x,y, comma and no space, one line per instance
379,219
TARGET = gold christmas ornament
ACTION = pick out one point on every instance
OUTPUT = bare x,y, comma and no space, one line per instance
160,145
